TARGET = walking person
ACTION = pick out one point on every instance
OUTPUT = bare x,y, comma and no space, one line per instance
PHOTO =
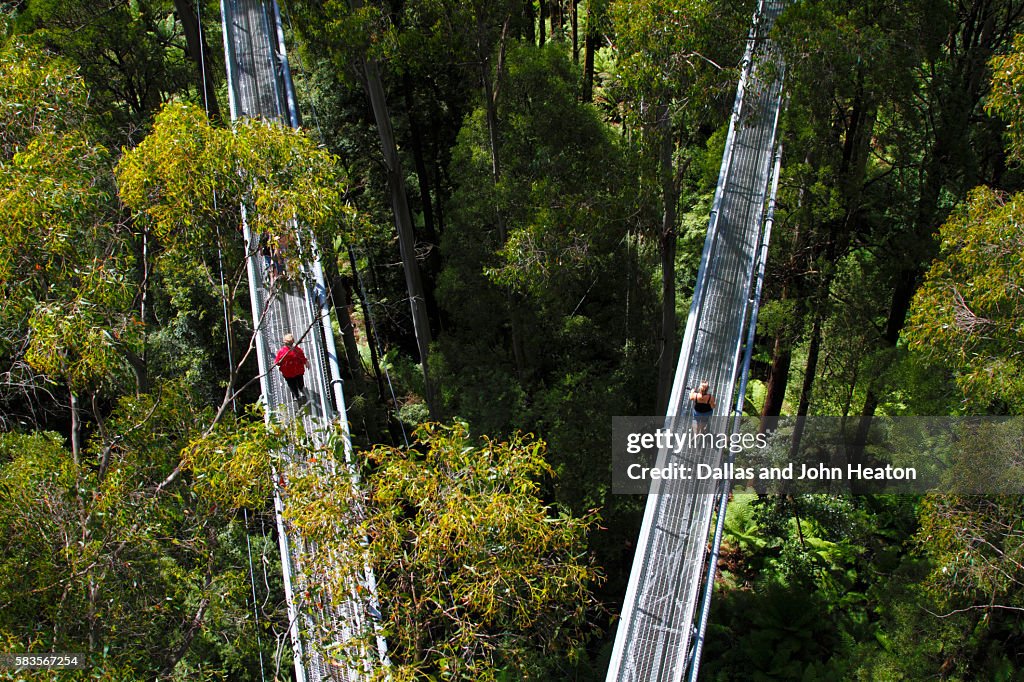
273,265
703,407
292,362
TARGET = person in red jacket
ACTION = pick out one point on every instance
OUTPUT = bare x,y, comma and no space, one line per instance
292,362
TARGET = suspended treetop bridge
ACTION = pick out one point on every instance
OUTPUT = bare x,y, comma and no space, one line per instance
668,598
661,631
260,85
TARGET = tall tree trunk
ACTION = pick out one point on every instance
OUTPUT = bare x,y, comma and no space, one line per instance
344,304
342,299
371,335
667,242
531,21
494,142
574,17
491,113
433,260
556,20
589,47
441,196
92,615
403,225
778,378
541,28
898,308
903,291
198,52
422,176
810,370
981,28
76,427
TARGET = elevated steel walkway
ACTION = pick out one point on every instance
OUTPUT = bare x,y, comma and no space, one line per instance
260,85
660,633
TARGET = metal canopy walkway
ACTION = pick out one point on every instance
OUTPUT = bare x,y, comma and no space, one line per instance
661,630
260,85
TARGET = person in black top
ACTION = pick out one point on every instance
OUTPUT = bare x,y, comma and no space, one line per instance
703,407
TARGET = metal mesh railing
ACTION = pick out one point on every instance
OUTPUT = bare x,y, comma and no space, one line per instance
656,634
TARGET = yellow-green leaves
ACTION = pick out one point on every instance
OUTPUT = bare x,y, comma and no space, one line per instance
189,179
111,549
475,572
64,256
667,50
231,465
38,95
55,201
61,249
970,307
562,194
172,175
974,544
1007,94
968,312
69,340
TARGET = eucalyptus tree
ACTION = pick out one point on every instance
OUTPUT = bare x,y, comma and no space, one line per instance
188,182
672,63
563,206
965,318
105,549
967,312
596,20
849,69
470,39
65,256
146,579
480,578
884,129
479,34
960,145
133,56
351,31
191,16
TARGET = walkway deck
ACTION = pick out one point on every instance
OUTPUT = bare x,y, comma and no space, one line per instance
656,634
260,86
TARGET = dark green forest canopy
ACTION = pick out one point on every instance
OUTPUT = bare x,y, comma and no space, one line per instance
559,160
